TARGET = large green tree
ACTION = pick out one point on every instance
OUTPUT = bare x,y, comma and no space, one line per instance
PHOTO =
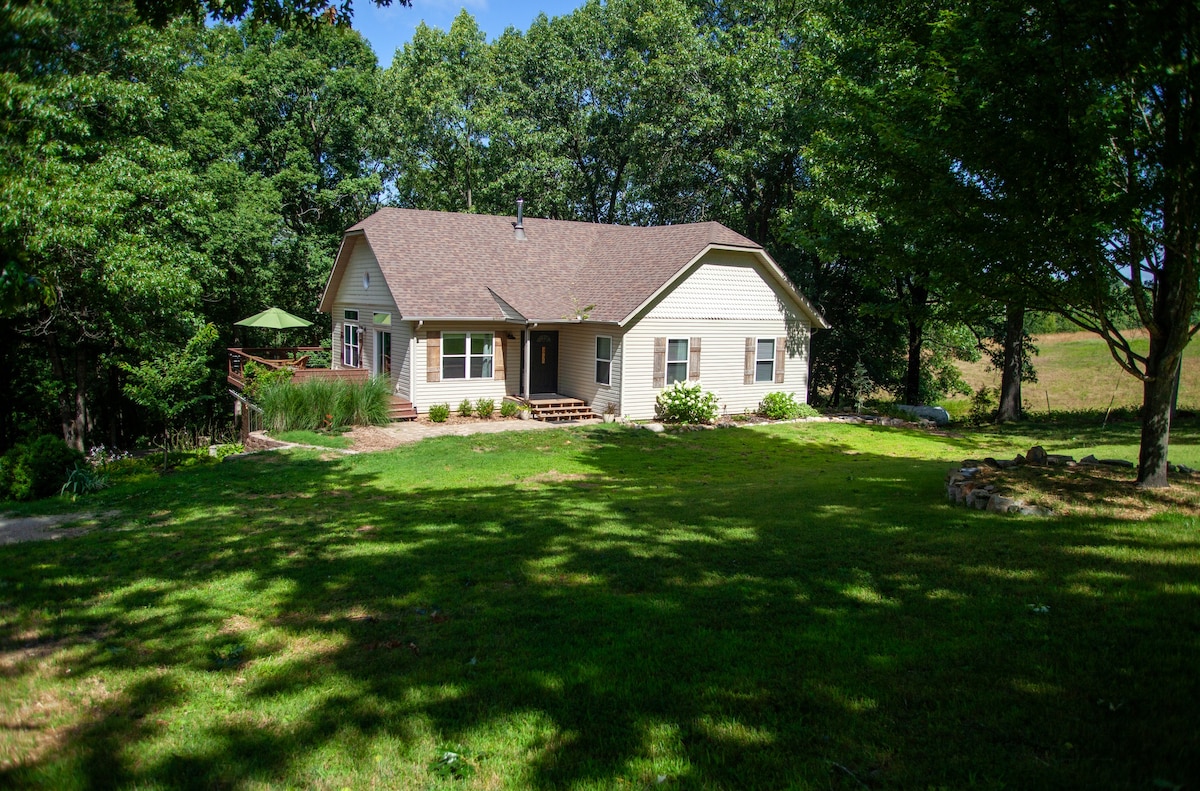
1085,118
444,108
155,178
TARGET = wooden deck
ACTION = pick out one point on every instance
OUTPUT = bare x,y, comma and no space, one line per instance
295,358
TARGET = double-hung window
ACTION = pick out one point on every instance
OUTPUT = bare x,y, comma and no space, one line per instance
467,355
677,360
764,360
604,355
351,341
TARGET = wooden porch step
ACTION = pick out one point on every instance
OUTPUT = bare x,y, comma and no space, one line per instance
563,416
560,409
400,409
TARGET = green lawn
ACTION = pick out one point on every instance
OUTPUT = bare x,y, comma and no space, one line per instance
784,607
323,439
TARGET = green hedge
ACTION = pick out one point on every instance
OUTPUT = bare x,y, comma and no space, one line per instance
36,469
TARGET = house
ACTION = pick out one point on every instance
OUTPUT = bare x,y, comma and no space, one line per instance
564,314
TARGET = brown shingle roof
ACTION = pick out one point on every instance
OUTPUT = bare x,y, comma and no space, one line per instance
442,265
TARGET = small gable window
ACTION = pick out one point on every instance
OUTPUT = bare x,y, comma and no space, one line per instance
604,355
467,355
350,315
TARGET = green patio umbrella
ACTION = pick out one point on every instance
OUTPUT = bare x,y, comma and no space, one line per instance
275,319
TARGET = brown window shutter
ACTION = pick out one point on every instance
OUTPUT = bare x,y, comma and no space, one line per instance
748,374
694,359
780,356
499,352
433,356
660,362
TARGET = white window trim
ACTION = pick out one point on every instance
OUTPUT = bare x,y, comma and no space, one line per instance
599,359
352,360
467,356
685,362
758,360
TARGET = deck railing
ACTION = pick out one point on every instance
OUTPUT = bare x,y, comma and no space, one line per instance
294,358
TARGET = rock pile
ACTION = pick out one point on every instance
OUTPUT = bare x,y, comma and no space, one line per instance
962,488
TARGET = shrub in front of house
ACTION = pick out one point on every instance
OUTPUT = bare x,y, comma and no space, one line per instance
485,407
509,409
779,406
466,408
684,403
438,413
784,406
36,469
315,404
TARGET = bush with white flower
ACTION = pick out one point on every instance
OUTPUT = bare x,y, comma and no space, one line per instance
686,403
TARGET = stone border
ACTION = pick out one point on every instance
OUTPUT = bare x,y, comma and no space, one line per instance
963,489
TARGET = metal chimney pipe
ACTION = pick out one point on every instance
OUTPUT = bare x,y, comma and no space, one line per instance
519,225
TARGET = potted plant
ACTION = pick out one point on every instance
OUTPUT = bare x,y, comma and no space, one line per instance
610,413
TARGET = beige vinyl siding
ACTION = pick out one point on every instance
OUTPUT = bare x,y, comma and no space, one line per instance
453,391
401,357
724,300
376,299
577,366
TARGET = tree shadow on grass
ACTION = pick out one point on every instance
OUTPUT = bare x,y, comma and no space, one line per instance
738,608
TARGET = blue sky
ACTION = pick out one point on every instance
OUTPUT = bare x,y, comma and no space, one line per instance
389,28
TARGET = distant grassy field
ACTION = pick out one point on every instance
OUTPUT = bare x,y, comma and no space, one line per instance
1076,371
791,606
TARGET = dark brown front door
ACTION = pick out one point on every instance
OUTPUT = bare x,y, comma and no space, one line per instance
543,362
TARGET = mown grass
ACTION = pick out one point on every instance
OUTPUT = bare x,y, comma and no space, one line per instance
783,607
1076,371
324,439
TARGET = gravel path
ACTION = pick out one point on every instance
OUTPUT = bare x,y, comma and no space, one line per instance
14,530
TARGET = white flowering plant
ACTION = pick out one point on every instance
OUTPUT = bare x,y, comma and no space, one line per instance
686,403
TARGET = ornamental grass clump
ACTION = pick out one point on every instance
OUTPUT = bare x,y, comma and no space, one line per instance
316,404
684,403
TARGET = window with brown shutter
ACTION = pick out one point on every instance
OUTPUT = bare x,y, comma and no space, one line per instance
660,362
694,359
780,356
501,353
433,356
748,374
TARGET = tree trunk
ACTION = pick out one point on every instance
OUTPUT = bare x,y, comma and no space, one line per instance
1010,375
71,407
76,437
919,296
1157,390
